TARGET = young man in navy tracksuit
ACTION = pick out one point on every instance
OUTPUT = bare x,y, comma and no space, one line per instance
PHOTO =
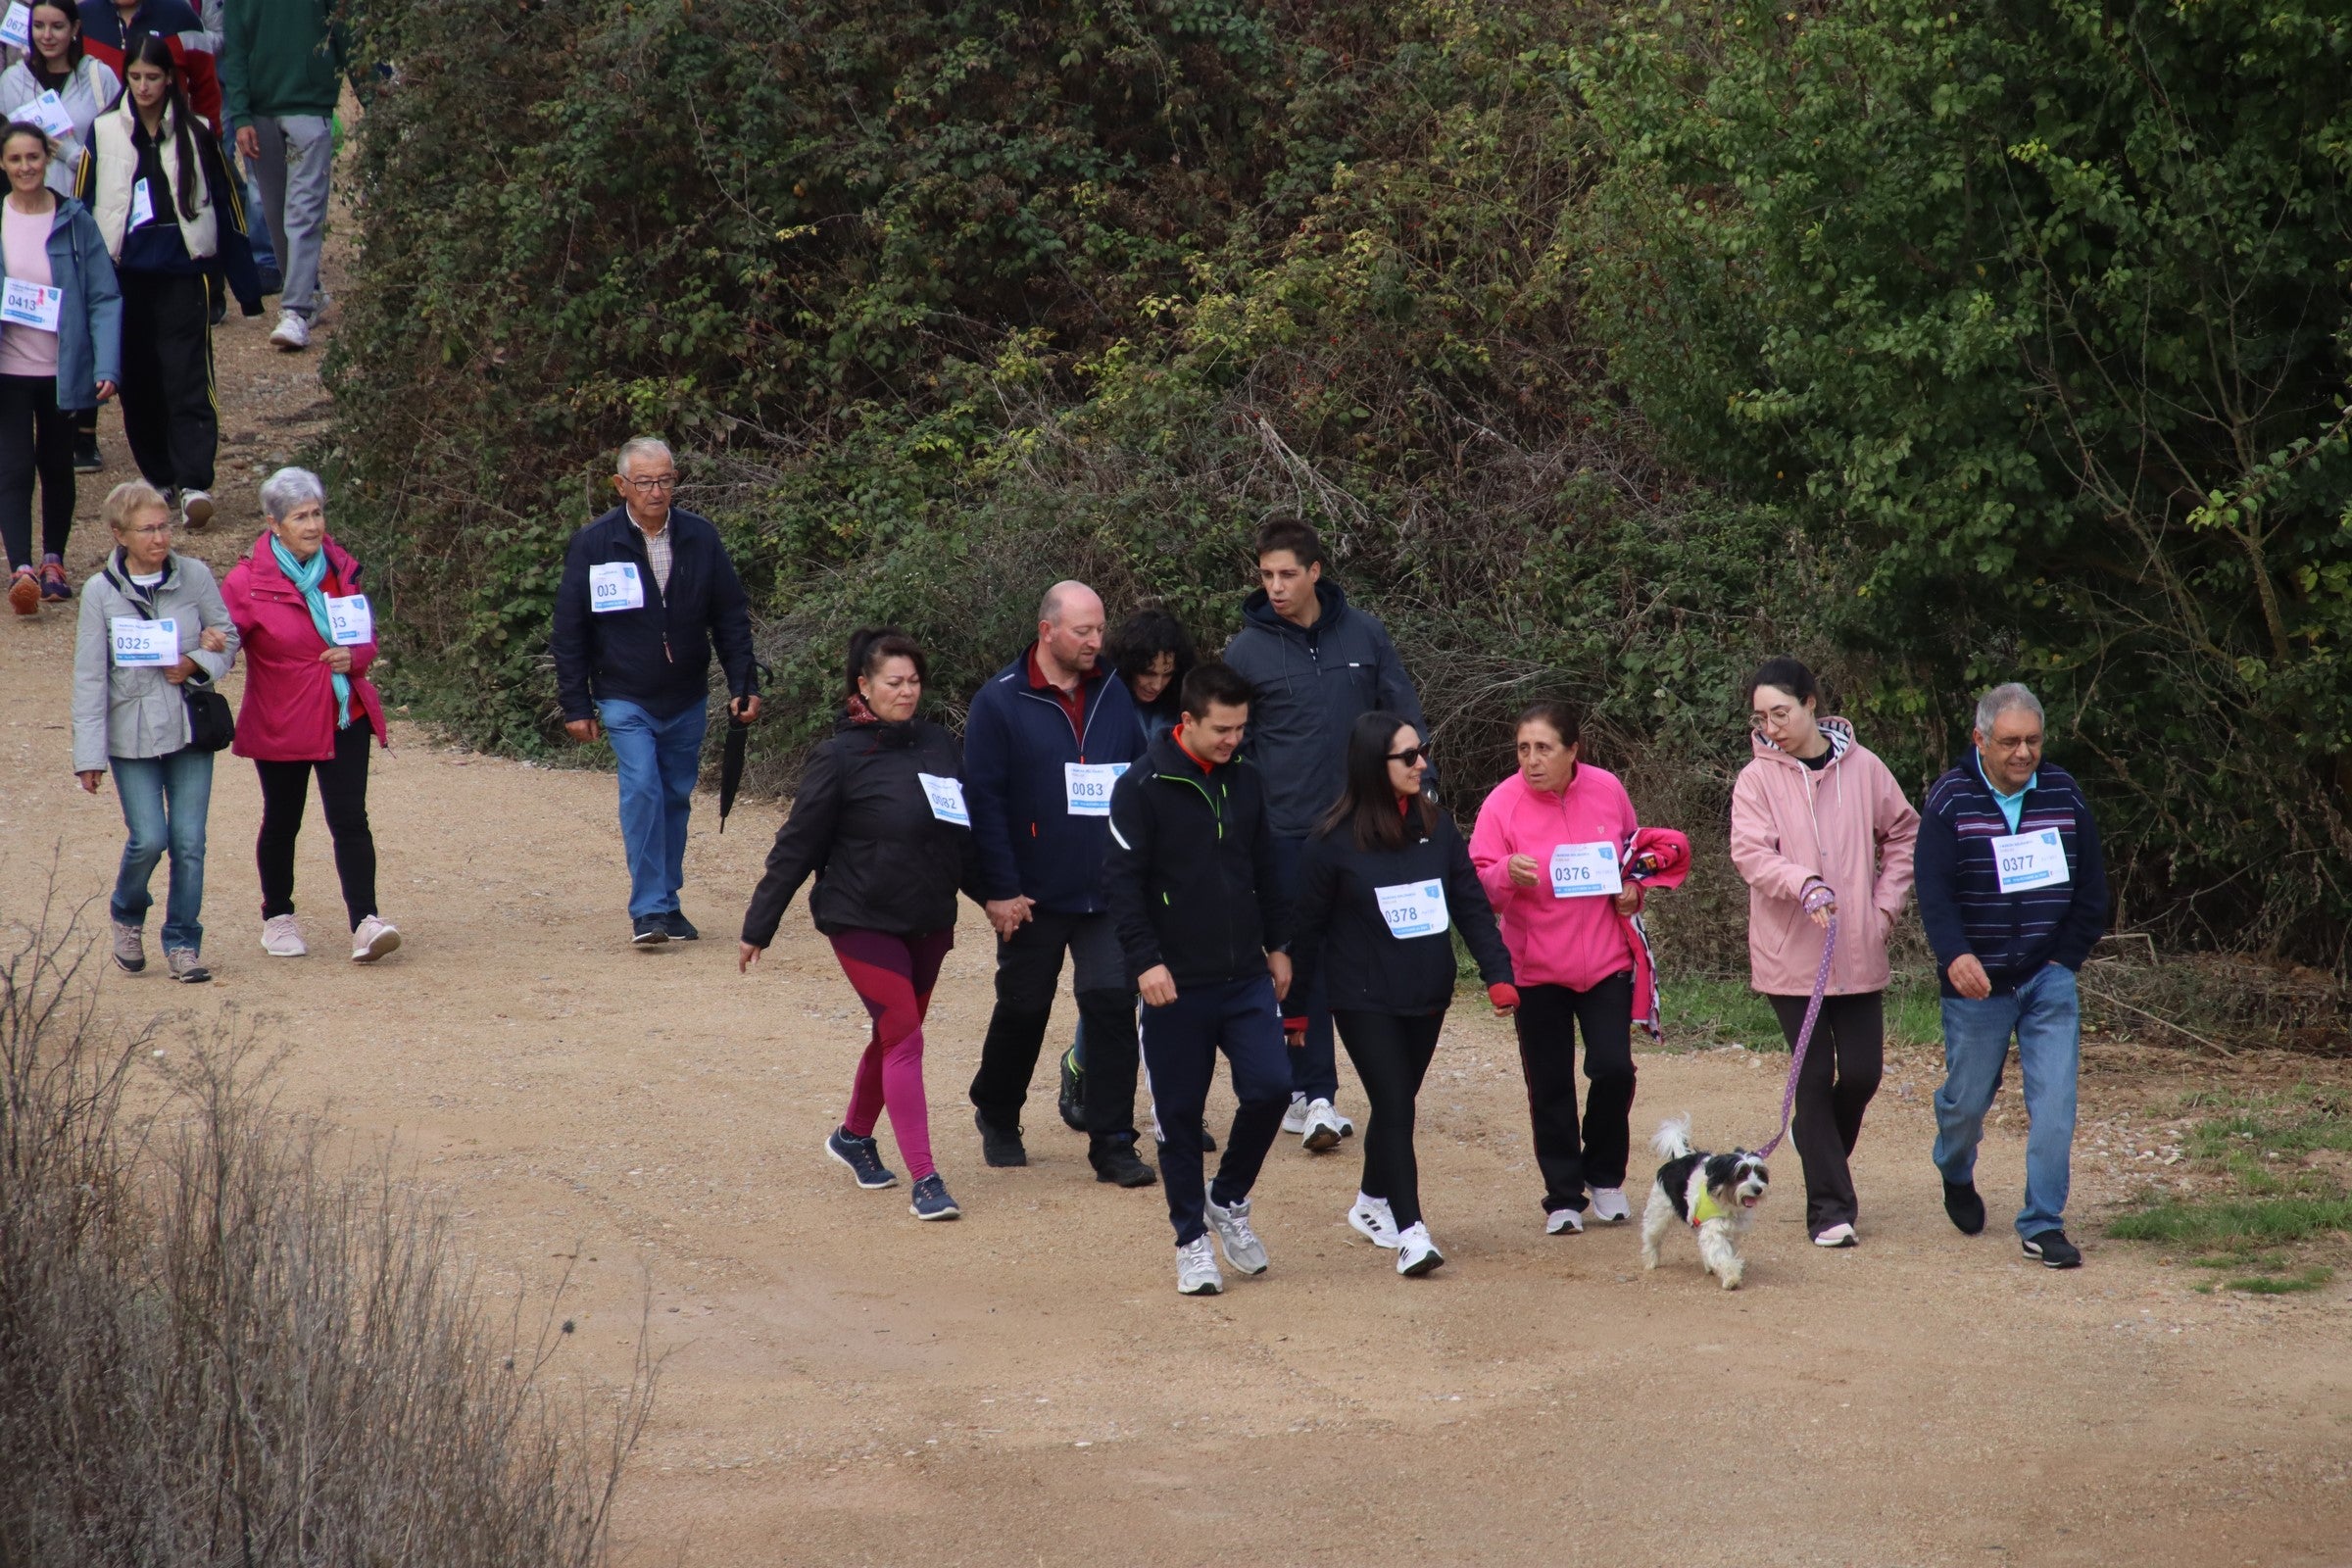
1047,738
1202,921
2012,893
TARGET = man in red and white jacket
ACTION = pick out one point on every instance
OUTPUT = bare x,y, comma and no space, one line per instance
107,29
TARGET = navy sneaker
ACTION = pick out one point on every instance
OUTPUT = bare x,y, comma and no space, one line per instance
679,928
2053,1249
862,1157
649,931
931,1199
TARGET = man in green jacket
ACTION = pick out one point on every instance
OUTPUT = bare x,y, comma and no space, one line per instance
281,74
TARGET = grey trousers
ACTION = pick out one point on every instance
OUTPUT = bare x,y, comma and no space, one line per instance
297,152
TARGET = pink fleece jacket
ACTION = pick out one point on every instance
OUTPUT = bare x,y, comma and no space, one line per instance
1576,943
289,709
1848,824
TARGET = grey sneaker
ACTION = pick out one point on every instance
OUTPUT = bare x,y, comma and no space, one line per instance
1196,1268
130,947
1243,1250
187,968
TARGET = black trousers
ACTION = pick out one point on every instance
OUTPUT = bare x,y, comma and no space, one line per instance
168,413
343,795
1028,973
1392,1056
36,437
1595,1154
1842,1068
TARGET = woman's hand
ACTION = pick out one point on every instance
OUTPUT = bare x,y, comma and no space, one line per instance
181,670
1629,899
214,640
338,660
745,956
1523,870
89,779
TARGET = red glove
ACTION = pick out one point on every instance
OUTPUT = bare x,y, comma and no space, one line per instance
1294,1032
1505,1000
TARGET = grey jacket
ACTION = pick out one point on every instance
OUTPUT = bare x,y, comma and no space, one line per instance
1308,687
136,712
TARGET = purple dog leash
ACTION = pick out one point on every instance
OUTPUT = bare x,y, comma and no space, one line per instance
1817,897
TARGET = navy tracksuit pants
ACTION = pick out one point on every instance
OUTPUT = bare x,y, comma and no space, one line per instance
1180,1047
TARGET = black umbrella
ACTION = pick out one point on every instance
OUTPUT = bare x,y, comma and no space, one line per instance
730,767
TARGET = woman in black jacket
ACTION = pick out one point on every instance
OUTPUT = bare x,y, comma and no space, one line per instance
1385,878
880,822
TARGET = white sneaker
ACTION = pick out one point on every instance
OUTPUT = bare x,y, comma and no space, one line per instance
1293,1120
281,938
1837,1236
1374,1221
292,333
373,939
1243,1250
1565,1222
1322,1127
196,508
1416,1253
1196,1268
1609,1205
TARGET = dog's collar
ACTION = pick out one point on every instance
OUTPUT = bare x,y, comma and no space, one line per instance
1707,1208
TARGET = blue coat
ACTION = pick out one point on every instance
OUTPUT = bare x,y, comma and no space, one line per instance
2013,935
1015,741
657,655
89,325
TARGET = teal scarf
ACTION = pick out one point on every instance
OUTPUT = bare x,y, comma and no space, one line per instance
308,575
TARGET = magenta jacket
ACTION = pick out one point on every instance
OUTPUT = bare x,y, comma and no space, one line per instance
289,710
1849,825
1576,943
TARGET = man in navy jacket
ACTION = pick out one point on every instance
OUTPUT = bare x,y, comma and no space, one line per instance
648,592
2012,893
1047,738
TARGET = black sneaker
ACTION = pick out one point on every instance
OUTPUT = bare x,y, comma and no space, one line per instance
87,459
2054,1249
1209,1144
649,931
1117,1163
997,1147
1960,1200
680,928
1072,1103
862,1157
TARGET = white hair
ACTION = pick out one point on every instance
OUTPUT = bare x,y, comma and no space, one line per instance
641,446
1998,701
287,489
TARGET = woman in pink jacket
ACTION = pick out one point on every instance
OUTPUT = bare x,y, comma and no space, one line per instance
1549,848
309,637
1814,808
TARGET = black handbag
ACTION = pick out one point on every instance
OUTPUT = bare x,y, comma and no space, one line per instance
210,723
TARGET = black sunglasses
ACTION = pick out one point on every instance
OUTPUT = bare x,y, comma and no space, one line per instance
1410,755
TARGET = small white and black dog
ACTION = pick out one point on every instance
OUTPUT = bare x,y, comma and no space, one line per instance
1715,1195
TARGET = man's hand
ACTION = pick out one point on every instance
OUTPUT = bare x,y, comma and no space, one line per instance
583,730
745,956
1523,870
1008,916
744,709
1969,978
1277,964
1158,986
338,660
90,780
249,142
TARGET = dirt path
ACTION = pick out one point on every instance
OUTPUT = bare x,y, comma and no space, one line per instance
847,1385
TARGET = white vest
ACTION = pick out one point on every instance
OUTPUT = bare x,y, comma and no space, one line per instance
117,170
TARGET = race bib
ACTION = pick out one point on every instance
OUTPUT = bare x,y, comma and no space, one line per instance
616,586
349,622
142,205
16,29
145,644
1088,786
1413,908
946,795
49,112
34,305
2036,860
1584,871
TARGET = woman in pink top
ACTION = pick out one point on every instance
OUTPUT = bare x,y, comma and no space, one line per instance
1549,848
1812,808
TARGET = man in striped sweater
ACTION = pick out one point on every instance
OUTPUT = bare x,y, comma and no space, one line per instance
2012,893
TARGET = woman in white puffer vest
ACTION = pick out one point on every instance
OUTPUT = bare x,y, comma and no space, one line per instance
56,64
172,217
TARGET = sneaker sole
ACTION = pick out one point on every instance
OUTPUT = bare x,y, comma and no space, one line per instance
1415,1270
198,978
1210,1287
1837,1246
1147,1178
130,967
2035,1253
652,938
199,515
385,943
1371,1233
950,1212
1564,1230
889,1177
1322,1141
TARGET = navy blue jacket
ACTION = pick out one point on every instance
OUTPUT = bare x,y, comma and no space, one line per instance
1015,741
657,657
2013,935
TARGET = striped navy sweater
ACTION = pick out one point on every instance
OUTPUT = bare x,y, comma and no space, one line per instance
2013,935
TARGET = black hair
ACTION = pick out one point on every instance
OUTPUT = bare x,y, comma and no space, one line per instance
152,49
73,50
1368,801
872,647
24,127
1785,673
1140,640
1294,534
1214,681
1565,721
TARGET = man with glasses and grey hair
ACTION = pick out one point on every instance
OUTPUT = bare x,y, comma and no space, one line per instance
2013,894
648,594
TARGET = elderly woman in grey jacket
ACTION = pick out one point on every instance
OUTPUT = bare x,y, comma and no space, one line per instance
152,619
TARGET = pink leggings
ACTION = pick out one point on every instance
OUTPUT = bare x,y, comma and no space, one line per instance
893,976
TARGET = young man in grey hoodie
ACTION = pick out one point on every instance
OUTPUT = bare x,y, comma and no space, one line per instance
1314,663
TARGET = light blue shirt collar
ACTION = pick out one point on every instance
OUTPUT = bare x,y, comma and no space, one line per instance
2013,806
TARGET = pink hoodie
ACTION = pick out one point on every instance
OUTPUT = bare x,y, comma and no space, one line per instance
1848,824
1576,943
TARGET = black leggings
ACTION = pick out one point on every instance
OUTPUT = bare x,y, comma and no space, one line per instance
343,795
1549,1019
1391,1056
1842,1068
35,438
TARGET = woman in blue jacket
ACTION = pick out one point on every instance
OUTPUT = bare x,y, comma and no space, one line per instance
60,349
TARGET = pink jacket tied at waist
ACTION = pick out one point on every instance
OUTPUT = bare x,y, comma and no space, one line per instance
289,709
1846,824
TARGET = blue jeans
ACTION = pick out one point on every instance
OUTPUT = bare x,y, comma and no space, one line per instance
2045,1014
660,759
164,800
1314,1069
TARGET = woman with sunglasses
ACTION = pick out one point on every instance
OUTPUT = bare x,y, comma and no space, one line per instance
1383,881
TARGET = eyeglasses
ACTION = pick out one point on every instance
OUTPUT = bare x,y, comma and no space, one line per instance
1410,754
154,530
653,481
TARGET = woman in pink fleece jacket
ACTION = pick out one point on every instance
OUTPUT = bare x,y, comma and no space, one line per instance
1814,806
1549,848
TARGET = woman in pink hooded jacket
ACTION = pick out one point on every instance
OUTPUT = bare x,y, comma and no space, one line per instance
1814,808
